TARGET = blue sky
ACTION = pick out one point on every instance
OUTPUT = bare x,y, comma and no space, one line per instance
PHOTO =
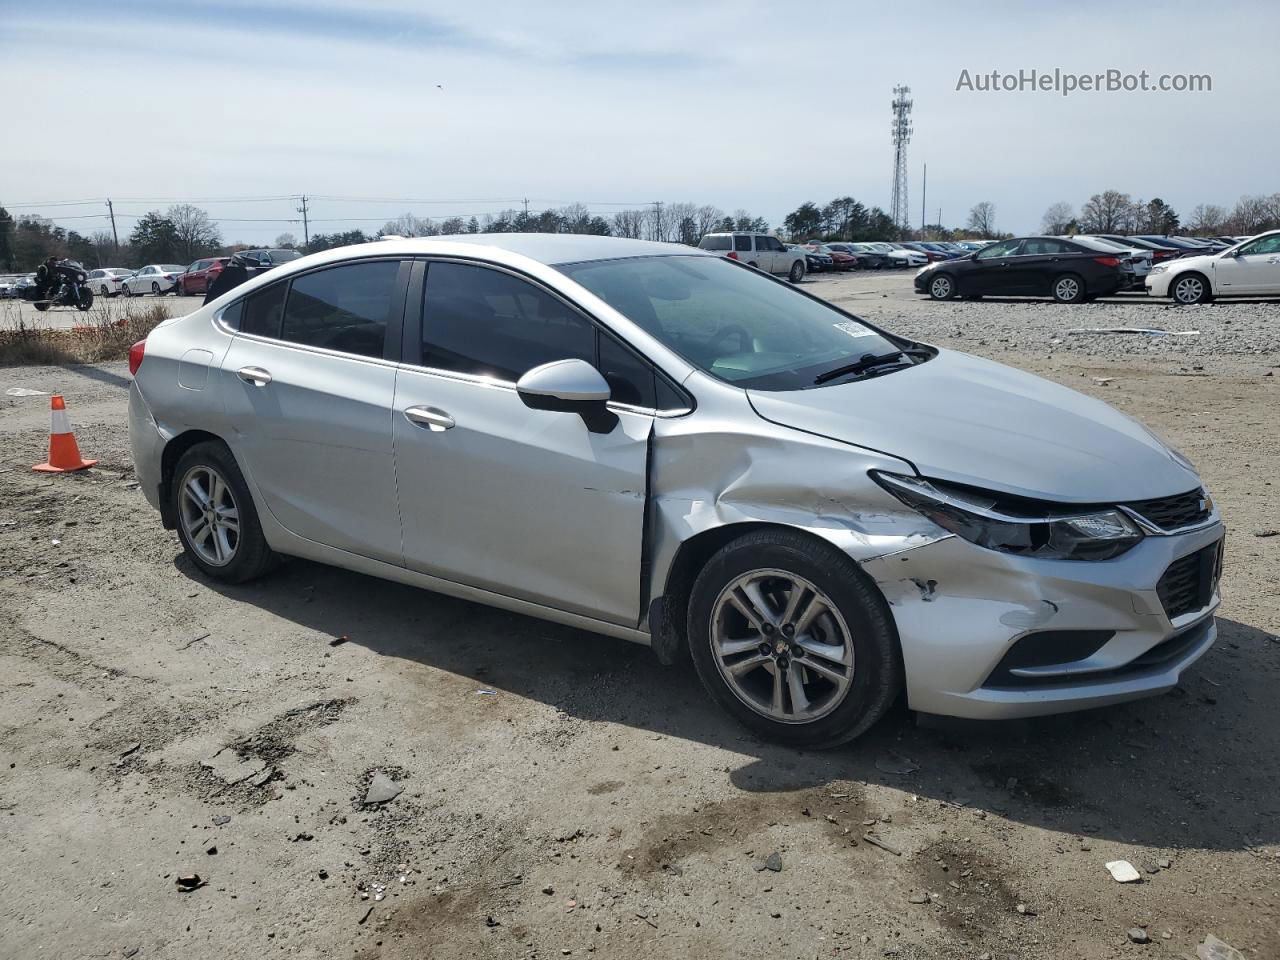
752,104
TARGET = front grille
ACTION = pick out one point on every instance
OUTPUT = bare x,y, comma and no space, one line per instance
1188,584
1173,513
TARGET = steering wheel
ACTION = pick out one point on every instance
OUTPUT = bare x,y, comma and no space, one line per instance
745,342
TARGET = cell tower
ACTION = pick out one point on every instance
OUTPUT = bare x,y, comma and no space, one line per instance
901,131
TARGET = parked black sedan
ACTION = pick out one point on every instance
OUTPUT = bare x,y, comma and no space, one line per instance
1027,267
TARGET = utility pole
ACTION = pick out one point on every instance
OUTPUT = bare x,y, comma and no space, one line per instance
114,236
657,220
306,233
924,192
526,208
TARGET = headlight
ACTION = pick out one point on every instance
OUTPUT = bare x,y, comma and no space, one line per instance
1050,532
1159,268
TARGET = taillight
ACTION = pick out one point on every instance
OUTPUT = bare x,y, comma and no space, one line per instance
135,356
732,254
1107,261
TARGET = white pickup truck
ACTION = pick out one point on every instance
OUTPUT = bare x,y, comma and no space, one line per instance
760,250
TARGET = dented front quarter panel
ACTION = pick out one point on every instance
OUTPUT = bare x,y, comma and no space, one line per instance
723,465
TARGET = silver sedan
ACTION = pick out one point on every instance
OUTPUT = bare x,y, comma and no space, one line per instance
659,444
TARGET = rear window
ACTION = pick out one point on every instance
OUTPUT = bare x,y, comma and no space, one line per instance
714,243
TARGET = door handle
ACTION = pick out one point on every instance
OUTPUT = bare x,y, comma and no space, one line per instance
255,375
433,418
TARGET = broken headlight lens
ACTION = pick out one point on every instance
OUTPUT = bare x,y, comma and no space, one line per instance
1045,531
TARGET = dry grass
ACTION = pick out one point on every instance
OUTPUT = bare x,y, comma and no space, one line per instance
108,330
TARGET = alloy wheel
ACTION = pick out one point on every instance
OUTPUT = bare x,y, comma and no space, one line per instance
210,517
1068,288
1188,290
781,646
941,288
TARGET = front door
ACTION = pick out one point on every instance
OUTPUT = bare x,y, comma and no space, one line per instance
1254,271
308,395
990,272
525,503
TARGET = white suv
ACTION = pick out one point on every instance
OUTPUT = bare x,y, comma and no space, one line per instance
759,250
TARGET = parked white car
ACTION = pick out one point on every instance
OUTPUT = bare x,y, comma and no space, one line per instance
760,250
1249,269
157,278
106,282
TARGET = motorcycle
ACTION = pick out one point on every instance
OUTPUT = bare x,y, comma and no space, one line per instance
72,289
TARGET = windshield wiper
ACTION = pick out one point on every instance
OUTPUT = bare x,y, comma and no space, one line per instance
867,361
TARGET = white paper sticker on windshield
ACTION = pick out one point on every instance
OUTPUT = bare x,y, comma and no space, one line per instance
853,330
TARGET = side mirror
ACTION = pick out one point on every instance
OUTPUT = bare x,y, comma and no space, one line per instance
569,386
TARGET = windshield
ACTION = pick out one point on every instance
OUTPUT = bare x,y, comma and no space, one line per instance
731,321
172,268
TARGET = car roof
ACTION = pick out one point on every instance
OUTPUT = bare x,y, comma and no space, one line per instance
547,248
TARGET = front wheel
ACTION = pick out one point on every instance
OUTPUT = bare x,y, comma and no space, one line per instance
942,287
217,522
1068,288
41,305
1191,288
797,272
789,637
86,300
155,288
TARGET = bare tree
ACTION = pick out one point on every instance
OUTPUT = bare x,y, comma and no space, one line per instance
628,223
1250,214
407,225
104,247
1058,219
982,219
286,240
706,218
1107,212
453,225
1206,219
681,219
194,233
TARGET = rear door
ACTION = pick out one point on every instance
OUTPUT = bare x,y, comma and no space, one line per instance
1254,271
530,504
766,254
308,388
1038,261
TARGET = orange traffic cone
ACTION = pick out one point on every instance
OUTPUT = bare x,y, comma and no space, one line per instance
64,455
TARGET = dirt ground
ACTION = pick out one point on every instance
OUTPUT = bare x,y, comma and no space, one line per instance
563,794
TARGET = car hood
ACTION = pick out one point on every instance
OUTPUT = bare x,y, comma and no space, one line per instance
1200,261
967,420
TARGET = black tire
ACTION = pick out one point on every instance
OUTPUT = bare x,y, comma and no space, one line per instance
124,290
105,291
86,300
1191,288
1068,288
752,263
877,676
942,286
155,288
41,305
797,272
252,556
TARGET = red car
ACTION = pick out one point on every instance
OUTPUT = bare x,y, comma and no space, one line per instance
202,273
839,259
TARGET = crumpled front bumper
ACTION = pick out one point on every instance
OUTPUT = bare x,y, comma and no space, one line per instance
959,609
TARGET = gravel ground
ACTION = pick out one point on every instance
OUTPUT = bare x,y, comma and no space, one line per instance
565,795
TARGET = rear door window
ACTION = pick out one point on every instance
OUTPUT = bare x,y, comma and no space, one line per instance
344,308
742,244
262,311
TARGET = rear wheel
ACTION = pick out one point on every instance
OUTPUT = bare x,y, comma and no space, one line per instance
1191,288
942,287
41,305
797,272
1068,288
86,299
217,522
790,638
